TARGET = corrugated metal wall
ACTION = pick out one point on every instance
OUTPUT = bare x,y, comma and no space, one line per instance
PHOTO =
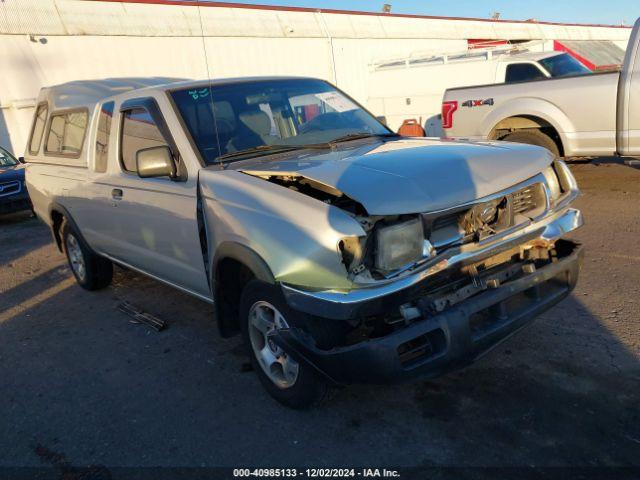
44,42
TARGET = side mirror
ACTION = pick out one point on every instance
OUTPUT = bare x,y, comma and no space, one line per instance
382,119
21,160
155,162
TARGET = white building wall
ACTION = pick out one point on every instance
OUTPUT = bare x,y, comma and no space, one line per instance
45,42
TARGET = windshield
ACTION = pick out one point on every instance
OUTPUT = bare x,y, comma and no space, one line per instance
6,159
563,66
293,112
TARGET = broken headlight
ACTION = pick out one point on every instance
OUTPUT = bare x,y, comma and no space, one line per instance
398,245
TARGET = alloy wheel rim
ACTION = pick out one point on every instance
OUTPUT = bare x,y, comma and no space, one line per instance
76,258
277,364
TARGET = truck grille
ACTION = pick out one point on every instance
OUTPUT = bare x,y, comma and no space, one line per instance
526,199
9,188
484,219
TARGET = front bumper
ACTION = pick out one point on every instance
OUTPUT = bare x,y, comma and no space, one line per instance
15,202
377,300
454,338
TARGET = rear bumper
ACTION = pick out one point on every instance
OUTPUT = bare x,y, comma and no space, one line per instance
436,344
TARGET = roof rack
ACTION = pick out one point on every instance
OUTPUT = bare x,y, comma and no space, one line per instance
478,53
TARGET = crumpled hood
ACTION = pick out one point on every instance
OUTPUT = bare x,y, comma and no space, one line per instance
8,174
411,175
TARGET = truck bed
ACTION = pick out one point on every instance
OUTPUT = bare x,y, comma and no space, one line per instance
581,108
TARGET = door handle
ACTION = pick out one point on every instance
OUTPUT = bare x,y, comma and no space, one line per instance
116,194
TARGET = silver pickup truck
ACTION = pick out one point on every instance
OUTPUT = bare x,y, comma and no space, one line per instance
572,116
342,252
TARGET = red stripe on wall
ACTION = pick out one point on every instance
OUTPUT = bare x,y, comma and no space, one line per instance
197,3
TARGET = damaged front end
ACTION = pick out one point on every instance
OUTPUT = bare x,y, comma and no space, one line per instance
444,328
437,290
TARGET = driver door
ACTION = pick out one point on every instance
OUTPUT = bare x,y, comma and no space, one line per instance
154,221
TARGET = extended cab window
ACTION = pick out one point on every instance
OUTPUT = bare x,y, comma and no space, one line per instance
138,131
38,128
102,136
66,133
522,72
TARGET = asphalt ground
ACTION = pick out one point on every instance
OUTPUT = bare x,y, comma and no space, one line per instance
82,385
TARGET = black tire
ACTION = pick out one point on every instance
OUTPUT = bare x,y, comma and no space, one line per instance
310,388
533,137
98,271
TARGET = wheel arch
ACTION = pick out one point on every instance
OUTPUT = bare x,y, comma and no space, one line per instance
238,264
525,123
530,113
58,214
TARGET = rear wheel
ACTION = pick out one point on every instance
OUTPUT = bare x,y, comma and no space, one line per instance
263,310
91,271
533,137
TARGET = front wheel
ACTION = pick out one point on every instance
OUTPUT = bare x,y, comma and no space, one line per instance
91,271
292,383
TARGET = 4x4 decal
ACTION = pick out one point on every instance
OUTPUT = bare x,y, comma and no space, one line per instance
478,103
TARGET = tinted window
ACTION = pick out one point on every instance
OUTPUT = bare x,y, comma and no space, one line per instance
102,136
138,131
563,66
38,128
6,159
521,72
239,116
66,133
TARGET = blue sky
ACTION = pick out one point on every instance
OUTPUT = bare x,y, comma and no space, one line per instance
570,11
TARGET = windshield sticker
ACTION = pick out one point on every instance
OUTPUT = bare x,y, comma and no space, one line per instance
338,102
196,94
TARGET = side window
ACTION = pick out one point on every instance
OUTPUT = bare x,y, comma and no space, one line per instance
138,131
66,133
521,72
102,137
38,128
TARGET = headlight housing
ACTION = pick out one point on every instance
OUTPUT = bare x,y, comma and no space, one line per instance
565,177
559,180
398,245
553,183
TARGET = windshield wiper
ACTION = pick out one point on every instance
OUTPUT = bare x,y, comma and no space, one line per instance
357,136
268,149
265,149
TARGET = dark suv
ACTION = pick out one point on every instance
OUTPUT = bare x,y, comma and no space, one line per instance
13,193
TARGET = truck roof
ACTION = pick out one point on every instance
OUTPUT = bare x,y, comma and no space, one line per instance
87,93
498,54
82,93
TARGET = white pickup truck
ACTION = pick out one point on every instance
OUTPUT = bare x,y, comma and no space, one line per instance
575,116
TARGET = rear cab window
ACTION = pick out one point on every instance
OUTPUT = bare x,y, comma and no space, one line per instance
138,131
66,133
523,72
103,134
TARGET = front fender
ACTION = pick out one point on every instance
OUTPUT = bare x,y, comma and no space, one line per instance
294,235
